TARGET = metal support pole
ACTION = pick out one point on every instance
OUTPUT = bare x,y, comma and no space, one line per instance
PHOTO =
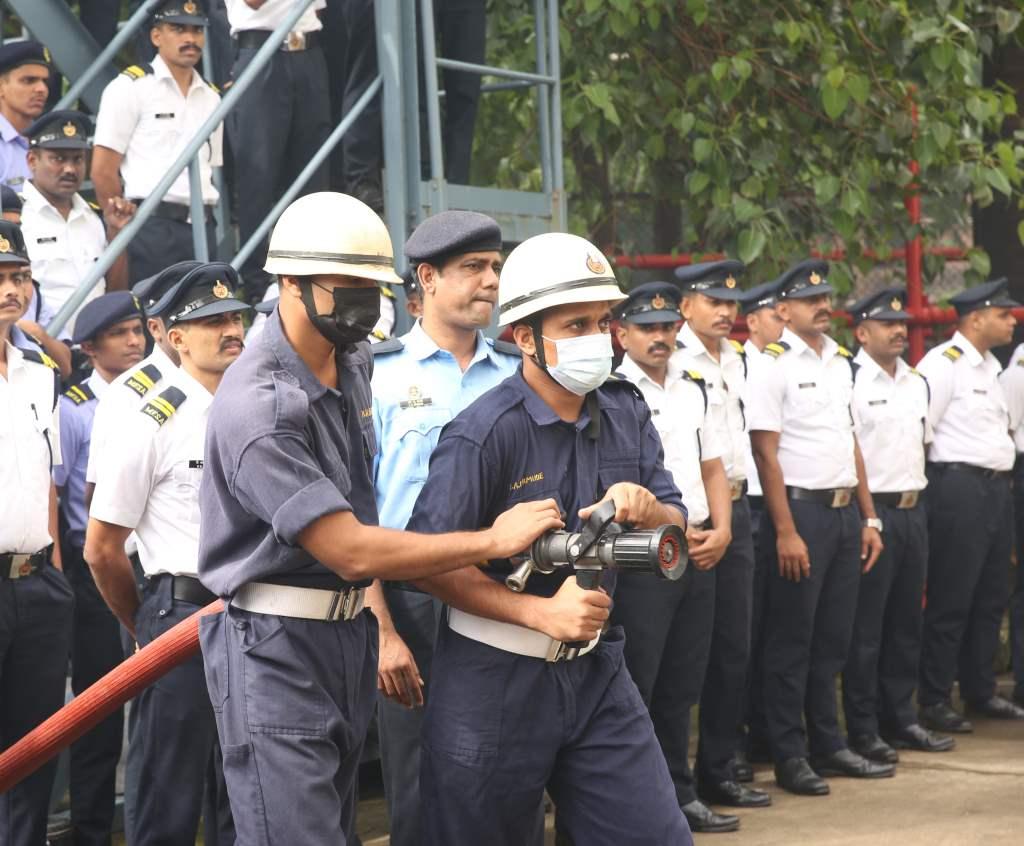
221,214
293,191
115,247
490,70
106,56
200,248
543,97
559,209
430,73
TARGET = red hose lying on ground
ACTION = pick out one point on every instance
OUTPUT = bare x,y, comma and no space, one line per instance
103,698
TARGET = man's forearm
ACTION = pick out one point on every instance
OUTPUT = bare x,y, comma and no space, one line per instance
116,583
773,485
53,527
716,487
378,604
864,500
472,591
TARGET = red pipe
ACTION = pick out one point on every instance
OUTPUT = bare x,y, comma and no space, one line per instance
100,700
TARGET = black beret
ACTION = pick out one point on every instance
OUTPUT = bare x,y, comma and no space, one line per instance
652,302
452,233
203,292
713,278
12,244
14,54
152,288
103,312
64,129
10,200
760,296
887,304
993,294
189,12
806,279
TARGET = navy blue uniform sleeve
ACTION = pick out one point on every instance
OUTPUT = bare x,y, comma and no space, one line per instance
458,493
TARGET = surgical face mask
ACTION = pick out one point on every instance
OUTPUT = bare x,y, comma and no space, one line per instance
584,363
355,313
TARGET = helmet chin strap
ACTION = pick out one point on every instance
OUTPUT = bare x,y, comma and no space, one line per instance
534,323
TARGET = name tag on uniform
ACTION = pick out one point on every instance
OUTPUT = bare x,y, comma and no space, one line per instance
877,402
163,115
981,391
808,385
51,240
195,464
655,412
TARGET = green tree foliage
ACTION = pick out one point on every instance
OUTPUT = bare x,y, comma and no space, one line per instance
777,125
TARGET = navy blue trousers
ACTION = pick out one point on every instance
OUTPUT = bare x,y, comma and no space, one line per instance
293,700
500,727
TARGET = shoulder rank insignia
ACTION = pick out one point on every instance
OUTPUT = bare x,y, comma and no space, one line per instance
776,348
736,345
698,380
137,71
80,393
952,352
389,346
386,291
213,87
39,358
693,376
143,379
844,352
164,404
508,348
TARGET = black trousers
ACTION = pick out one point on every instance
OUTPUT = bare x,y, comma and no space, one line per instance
96,649
1017,596
161,242
35,640
808,625
721,701
668,639
275,129
881,669
764,560
970,533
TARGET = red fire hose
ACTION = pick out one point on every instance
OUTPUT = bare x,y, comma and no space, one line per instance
102,699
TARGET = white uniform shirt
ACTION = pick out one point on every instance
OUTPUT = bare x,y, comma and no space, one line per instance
62,251
687,432
242,16
151,483
806,398
150,122
753,362
1012,380
29,435
725,380
968,412
119,401
891,417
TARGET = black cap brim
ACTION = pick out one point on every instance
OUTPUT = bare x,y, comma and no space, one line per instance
808,292
732,295
888,316
661,316
13,258
212,309
188,20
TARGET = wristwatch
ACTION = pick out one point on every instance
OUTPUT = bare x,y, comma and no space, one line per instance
873,523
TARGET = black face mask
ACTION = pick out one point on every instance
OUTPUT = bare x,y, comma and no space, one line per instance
356,312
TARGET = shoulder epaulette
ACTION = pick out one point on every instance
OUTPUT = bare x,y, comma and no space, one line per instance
680,345
927,386
137,71
736,345
952,352
844,352
39,358
389,346
508,348
213,86
143,379
776,348
698,380
387,292
164,404
95,207
80,393
616,381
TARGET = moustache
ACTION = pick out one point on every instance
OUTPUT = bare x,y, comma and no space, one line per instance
231,342
12,302
823,313
658,347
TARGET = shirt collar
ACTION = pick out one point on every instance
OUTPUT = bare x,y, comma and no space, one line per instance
542,413
873,369
161,71
422,346
289,359
194,390
15,358
632,371
33,197
695,347
974,357
161,360
797,345
9,133
97,384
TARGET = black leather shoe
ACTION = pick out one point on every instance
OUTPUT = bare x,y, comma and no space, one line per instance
996,708
846,762
701,818
872,747
942,717
917,737
741,769
734,794
796,776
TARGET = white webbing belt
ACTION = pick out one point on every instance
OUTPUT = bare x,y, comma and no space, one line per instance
512,638
300,602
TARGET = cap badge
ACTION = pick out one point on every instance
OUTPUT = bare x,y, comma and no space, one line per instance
220,290
895,305
658,302
595,265
815,278
46,55
730,282
70,130
5,245
189,8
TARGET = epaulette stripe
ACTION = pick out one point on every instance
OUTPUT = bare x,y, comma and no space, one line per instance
844,352
736,345
387,292
144,379
952,352
77,395
163,405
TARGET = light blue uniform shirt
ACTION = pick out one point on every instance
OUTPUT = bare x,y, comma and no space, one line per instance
13,151
416,391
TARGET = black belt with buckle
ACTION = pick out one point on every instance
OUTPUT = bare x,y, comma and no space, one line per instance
296,42
832,497
177,211
186,589
898,499
17,565
984,472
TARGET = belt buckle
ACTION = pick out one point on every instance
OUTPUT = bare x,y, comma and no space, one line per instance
296,41
559,651
841,497
20,565
352,603
908,499
736,490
